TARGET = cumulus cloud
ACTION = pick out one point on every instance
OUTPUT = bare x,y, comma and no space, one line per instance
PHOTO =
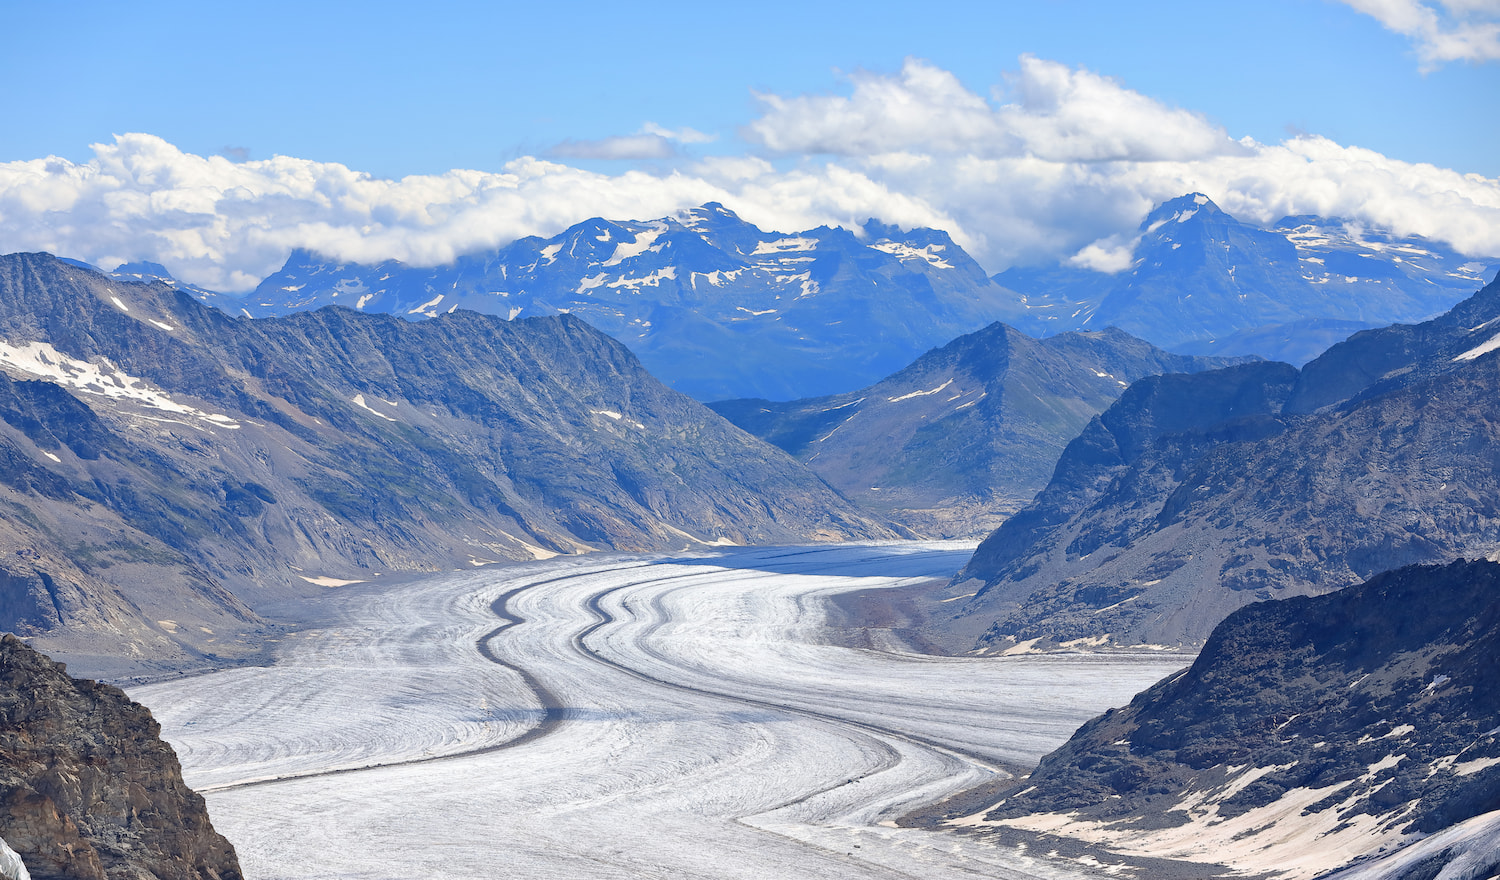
1448,30
1049,111
1064,165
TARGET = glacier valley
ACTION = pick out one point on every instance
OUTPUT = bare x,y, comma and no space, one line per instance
624,716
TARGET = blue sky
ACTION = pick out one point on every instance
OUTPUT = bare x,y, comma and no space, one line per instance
392,90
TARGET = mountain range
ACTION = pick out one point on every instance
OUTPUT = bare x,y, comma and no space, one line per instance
969,432
164,466
1202,282
720,309
711,304
1196,494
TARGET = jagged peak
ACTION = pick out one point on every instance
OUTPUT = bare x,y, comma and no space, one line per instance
1181,210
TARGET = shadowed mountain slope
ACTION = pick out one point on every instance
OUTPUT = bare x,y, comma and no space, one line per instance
966,434
1195,495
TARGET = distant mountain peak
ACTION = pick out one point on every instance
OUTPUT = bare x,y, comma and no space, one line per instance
144,269
1181,210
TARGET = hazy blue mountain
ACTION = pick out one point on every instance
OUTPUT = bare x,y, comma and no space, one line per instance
1196,494
712,305
1204,283
967,434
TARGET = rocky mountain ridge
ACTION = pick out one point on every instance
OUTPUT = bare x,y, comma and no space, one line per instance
965,435
1194,495
162,461
88,790
1308,732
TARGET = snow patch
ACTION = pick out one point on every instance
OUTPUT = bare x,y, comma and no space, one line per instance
905,253
327,581
645,240
652,280
422,309
364,298
783,245
1481,349
549,253
359,401
103,379
163,325
919,393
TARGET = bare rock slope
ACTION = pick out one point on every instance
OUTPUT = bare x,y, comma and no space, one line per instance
88,790
1308,732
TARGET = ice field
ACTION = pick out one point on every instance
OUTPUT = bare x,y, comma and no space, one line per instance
623,717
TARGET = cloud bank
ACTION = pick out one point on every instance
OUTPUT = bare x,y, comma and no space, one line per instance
1056,162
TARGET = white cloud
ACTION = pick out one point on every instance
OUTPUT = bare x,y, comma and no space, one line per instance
1448,30
682,135
1053,112
1067,168
651,142
629,146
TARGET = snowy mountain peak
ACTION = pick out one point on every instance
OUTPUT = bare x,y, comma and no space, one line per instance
1181,210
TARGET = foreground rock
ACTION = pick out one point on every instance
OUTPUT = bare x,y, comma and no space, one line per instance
1308,732
88,790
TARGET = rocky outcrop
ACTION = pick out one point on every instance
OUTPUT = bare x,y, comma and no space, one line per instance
1314,726
88,790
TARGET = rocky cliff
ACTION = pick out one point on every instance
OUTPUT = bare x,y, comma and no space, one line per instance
1307,733
88,790
1195,495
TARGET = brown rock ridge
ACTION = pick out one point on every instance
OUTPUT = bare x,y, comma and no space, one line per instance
88,789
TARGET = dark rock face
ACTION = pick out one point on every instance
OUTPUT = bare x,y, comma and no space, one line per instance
159,452
1375,706
1205,283
88,791
966,434
712,305
1195,495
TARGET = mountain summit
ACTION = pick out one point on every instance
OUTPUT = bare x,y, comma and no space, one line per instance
1203,282
714,306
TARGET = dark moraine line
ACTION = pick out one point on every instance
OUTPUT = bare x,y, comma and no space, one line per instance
605,618
552,711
